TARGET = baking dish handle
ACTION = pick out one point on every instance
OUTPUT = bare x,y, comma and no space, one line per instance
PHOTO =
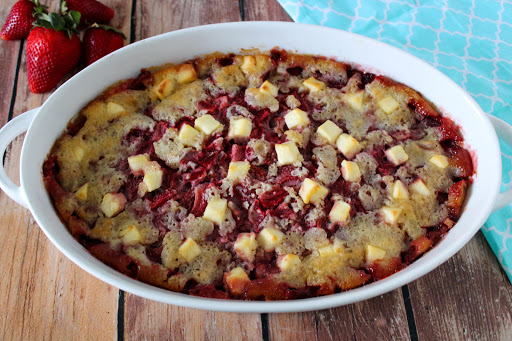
504,131
8,133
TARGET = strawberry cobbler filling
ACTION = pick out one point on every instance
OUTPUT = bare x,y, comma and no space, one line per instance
261,176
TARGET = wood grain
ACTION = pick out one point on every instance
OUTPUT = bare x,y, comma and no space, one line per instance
467,298
148,320
45,294
156,17
263,10
9,51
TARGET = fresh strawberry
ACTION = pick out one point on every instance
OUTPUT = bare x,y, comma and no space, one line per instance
100,40
20,19
92,11
53,49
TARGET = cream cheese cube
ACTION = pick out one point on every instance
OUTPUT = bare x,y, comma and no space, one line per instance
130,235
373,253
440,161
238,170
418,186
206,124
287,153
112,204
114,108
314,84
288,262
236,280
350,171
153,175
269,88
239,127
400,191
269,238
391,214
331,250
82,192
189,250
216,210
245,245
329,131
137,162
388,104
248,64
296,118
397,155
78,153
188,135
186,73
164,89
310,191
348,145
355,100
340,212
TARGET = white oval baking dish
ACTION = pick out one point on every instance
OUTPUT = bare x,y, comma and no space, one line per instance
45,124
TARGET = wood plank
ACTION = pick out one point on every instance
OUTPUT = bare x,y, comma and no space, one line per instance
381,318
156,17
467,298
256,10
44,294
146,319
9,57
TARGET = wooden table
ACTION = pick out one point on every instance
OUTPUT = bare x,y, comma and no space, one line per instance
43,295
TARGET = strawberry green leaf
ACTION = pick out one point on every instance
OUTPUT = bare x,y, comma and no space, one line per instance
57,21
108,28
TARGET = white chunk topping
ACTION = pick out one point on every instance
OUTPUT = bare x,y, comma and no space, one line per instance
348,145
355,100
391,214
238,170
374,253
189,250
206,124
114,108
245,246
137,162
314,84
388,104
288,262
153,175
82,192
112,204
418,186
189,136
130,235
269,88
440,161
287,153
296,118
186,73
216,210
310,191
400,190
329,131
340,212
269,238
350,171
239,127
397,155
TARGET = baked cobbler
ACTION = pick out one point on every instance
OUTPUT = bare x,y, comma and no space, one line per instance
261,176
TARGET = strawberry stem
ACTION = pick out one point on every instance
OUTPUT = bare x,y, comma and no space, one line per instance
68,22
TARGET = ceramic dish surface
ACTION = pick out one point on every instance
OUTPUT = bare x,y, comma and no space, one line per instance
179,46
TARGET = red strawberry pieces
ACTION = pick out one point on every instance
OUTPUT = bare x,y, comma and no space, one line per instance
92,11
100,40
19,21
53,49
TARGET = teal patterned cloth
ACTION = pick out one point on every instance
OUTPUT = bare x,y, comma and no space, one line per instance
470,41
